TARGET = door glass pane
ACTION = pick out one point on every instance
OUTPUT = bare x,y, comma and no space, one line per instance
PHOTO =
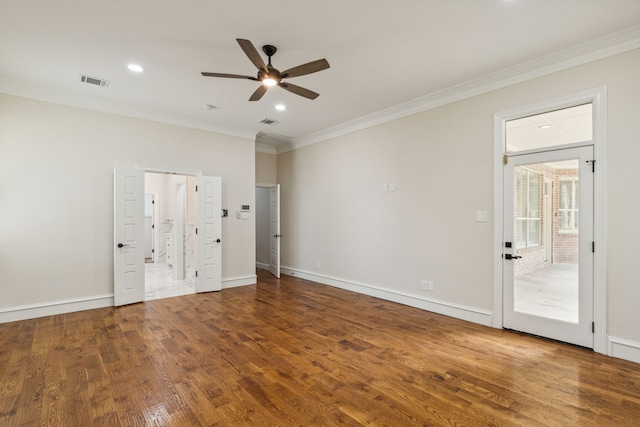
547,239
552,128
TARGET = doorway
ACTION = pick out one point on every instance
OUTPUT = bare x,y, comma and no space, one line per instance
268,228
128,233
565,123
172,269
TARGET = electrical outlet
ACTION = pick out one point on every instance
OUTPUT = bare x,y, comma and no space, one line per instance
424,285
430,286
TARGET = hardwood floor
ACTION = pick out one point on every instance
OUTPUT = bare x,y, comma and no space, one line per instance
290,352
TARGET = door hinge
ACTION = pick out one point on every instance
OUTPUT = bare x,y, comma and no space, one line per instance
593,246
196,231
593,327
153,202
196,273
593,165
505,159
153,226
196,188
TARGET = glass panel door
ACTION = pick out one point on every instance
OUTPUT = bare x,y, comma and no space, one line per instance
547,261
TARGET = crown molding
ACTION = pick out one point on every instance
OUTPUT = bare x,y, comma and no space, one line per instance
604,47
57,96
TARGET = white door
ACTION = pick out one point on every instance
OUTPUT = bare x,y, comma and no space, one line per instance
129,236
274,230
209,234
148,227
554,300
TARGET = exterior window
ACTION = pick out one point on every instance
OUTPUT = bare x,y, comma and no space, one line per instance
569,206
527,208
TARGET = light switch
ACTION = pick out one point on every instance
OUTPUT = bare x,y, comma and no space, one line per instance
481,216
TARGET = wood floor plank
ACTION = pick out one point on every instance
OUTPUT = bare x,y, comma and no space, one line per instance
290,352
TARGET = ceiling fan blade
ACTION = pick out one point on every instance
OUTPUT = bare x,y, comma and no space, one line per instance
299,90
228,76
262,89
308,68
253,55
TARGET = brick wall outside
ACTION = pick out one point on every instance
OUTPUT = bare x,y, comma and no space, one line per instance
564,246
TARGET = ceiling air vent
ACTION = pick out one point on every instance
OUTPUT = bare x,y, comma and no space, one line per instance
94,81
269,122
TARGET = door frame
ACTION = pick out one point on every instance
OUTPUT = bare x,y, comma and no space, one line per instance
597,97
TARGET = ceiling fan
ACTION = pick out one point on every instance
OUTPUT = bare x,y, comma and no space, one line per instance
270,76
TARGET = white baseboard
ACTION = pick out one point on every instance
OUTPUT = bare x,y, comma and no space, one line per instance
32,311
234,282
471,314
262,266
623,349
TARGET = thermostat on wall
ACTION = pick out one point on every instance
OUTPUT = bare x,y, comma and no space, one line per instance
246,208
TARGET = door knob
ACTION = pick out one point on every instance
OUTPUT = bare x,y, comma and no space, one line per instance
509,256
218,241
120,245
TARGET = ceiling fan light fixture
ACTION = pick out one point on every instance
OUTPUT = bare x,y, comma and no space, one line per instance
268,81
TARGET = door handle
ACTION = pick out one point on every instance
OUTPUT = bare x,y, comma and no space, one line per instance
121,245
217,240
277,235
509,256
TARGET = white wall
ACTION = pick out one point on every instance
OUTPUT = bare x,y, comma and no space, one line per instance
266,168
56,195
335,214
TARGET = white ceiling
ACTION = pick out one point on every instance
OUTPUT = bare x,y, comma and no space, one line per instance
554,128
382,53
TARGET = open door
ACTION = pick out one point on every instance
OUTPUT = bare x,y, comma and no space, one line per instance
129,241
274,228
209,234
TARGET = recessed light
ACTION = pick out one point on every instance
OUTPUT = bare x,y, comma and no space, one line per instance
135,68
281,107
544,126
208,107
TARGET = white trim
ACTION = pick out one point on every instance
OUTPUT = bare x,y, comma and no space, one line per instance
32,311
458,311
262,266
604,47
65,97
623,349
234,282
597,97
